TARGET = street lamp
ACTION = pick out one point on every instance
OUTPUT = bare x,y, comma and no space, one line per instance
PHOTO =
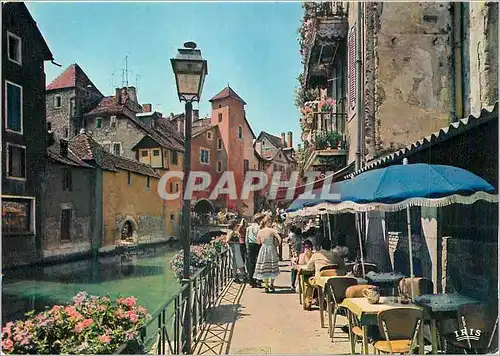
190,70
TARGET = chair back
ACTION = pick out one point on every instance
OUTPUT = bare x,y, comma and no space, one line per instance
357,290
349,266
357,269
420,286
328,273
329,267
336,287
400,324
477,326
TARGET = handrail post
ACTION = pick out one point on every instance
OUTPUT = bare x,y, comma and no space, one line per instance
187,317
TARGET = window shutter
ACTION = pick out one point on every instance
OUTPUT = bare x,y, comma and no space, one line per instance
352,68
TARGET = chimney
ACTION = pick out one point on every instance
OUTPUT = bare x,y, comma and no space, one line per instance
123,96
179,128
283,142
63,148
146,108
160,115
132,94
289,141
118,92
83,131
196,114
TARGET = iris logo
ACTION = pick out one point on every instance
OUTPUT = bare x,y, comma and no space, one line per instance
468,334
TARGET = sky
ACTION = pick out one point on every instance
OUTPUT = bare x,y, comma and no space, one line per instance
250,46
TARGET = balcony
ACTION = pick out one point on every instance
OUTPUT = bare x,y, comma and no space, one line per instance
328,149
324,29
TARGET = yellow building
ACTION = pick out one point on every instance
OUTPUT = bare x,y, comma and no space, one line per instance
128,205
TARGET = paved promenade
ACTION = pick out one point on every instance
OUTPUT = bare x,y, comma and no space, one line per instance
249,321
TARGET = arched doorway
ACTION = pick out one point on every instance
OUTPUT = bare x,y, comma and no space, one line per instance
127,231
203,207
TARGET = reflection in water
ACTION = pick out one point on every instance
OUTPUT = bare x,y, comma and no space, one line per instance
145,274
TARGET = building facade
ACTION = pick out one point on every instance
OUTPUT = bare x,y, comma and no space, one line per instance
24,138
417,75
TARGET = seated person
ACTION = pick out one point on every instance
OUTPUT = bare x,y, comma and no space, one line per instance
303,259
319,259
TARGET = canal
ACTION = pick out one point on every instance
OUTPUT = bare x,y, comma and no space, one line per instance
145,274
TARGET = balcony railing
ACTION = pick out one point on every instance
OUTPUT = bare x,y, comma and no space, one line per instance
327,9
329,122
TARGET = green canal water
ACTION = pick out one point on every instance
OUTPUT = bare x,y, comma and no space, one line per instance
145,275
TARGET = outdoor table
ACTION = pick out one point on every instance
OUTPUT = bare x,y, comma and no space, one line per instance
303,275
385,279
435,304
367,315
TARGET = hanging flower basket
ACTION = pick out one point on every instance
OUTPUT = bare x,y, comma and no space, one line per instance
326,105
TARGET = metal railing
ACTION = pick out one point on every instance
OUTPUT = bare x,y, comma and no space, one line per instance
329,122
207,284
327,8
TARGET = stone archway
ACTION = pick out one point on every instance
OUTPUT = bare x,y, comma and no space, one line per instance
127,230
203,207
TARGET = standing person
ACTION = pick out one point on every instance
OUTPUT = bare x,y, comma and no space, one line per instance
242,228
267,266
233,241
253,248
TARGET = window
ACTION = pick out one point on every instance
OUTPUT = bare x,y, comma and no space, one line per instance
175,157
16,163
219,166
67,179
14,48
204,156
117,148
176,187
263,143
49,126
275,167
98,122
351,45
172,217
246,165
219,144
209,135
129,178
18,215
72,106
220,116
66,132
156,153
112,121
148,182
240,132
66,224
144,153
57,101
107,146
171,187
14,108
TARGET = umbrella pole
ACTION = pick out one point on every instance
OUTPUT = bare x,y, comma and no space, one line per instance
410,251
358,223
329,226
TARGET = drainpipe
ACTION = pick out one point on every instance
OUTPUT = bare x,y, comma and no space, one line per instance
458,109
359,89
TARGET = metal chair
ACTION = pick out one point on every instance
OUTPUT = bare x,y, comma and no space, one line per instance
328,267
400,328
335,289
357,269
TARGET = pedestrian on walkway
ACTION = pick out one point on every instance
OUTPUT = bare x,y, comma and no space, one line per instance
267,266
242,228
253,248
233,240
302,259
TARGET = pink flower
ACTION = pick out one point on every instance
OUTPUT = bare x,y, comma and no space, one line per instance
7,344
83,325
132,316
105,339
142,310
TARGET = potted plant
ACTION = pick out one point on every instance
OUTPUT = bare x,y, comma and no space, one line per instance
321,141
334,138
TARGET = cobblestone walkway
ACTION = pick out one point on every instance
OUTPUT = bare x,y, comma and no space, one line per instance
248,321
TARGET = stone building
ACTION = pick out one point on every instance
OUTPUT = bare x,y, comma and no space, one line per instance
69,215
24,138
68,98
274,154
424,65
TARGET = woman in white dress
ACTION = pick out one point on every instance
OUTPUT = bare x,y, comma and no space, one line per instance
267,266
233,240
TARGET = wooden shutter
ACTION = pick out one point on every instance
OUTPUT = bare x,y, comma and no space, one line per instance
351,44
66,224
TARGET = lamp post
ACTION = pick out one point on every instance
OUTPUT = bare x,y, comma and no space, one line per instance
190,70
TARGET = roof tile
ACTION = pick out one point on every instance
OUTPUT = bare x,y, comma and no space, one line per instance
227,92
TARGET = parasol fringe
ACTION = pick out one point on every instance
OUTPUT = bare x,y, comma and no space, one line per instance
352,207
